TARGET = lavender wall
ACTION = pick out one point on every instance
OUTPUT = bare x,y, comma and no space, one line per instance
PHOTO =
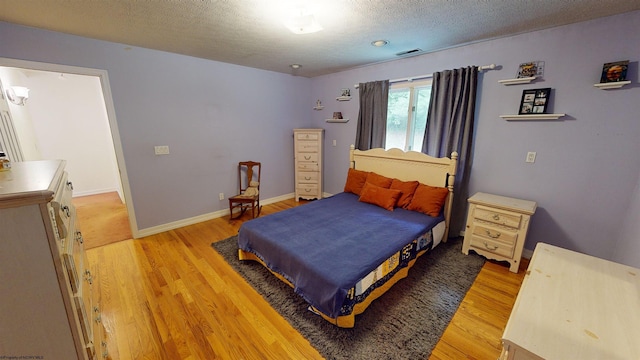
210,114
587,164
585,178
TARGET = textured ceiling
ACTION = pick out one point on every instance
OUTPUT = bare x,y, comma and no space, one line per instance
250,32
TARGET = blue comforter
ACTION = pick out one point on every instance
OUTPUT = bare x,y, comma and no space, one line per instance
325,247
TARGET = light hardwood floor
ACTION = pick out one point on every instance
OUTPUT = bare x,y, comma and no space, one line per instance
171,296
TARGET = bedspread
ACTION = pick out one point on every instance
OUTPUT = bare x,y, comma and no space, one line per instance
324,247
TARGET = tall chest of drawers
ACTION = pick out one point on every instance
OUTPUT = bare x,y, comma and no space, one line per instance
48,308
497,227
308,163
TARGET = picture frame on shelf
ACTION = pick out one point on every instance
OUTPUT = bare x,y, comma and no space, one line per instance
614,71
534,101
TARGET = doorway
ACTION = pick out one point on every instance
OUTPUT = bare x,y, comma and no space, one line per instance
51,80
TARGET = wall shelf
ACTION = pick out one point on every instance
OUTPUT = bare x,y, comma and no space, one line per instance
525,80
612,85
343,98
533,117
337,120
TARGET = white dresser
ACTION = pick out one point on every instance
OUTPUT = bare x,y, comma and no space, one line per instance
47,309
574,306
308,163
497,227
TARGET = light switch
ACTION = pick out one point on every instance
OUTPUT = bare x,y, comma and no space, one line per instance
161,150
531,157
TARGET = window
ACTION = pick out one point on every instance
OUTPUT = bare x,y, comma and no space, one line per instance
407,114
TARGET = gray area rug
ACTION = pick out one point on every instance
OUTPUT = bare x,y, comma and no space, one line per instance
404,323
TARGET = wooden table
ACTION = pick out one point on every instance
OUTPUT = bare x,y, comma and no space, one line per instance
574,306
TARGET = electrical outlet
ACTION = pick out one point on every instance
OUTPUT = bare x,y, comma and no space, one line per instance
334,143
161,150
221,196
531,157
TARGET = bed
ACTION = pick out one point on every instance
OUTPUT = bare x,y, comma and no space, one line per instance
342,252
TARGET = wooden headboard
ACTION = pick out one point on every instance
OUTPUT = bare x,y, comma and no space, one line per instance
410,165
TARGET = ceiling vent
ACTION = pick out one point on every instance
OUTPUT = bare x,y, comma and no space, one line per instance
409,52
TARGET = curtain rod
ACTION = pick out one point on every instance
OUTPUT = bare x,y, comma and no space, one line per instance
428,76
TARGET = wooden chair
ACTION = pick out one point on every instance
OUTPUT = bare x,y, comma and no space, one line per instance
249,194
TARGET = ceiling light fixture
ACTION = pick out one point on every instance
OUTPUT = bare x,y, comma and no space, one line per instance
379,43
295,66
302,21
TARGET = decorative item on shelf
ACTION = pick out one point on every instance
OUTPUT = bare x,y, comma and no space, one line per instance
345,95
614,75
614,71
337,118
534,101
318,105
530,69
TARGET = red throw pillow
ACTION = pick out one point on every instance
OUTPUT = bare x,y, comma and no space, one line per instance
355,181
376,195
379,180
407,188
428,199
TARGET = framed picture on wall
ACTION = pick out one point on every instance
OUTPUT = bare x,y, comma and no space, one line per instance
614,71
534,101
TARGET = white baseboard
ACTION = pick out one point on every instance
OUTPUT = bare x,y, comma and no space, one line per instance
197,219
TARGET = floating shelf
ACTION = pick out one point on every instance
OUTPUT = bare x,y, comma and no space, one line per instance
318,107
343,98
533,117
517,81
337,120
612,85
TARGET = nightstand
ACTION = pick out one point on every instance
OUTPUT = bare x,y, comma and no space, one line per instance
497,227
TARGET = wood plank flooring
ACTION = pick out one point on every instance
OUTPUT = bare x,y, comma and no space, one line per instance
171,296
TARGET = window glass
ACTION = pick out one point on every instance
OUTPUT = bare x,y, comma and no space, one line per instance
407,115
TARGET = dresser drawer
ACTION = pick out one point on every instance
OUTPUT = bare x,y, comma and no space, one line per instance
497,217
308,190
494,234
496,247
63,207
307,166
307,136
308,177
308,147
308,157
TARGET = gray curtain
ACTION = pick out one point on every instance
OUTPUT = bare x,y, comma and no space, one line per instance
372,118
450,123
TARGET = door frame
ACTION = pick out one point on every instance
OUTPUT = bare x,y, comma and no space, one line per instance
103,76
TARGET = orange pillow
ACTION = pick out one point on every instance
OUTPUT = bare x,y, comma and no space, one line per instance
376,195
407,188
379,180
355,181
428,199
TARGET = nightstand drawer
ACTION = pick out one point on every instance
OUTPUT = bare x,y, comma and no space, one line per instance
495,234
496,247
491,215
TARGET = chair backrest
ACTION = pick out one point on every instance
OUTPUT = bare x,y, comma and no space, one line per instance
252,170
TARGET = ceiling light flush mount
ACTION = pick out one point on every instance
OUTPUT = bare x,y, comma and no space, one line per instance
302,21
295,66
379,43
